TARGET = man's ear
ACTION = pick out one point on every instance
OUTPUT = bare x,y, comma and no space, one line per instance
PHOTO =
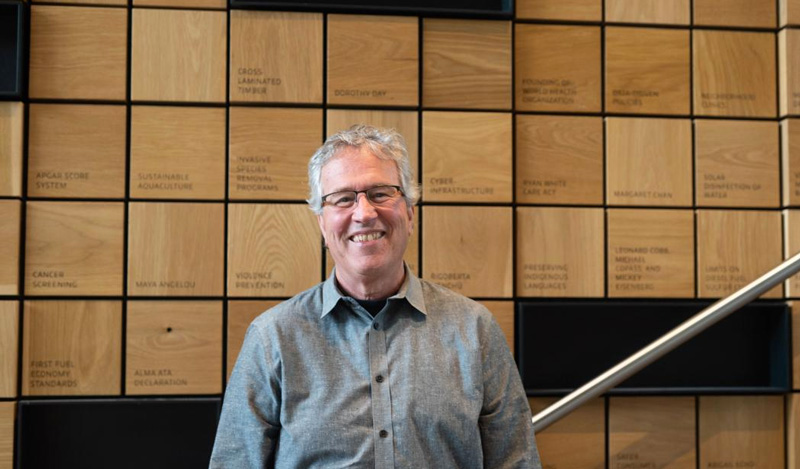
321,223
411,209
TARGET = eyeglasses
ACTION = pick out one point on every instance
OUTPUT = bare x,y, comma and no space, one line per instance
379,195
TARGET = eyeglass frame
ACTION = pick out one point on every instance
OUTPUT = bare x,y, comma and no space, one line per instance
366,194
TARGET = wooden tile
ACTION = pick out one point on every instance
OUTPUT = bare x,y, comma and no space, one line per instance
548,265
177,152
78,52
8,415
373,60
76,151
793,430
791,246
557,68
789,75
649,161
276,57
466,157
466,64
214,4
734,247
12,117
178,55
575,442
11,214
84,2
503,312
468,249
737,13
790,162
568,10
9,344
269,152
734,73
174,347
240,314
74,248
647,70
737,163
175,249
72,348
648,11
789,12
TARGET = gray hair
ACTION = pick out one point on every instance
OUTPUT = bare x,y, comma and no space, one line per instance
386,144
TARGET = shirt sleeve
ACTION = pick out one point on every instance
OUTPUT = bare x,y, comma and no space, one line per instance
249,426
505,423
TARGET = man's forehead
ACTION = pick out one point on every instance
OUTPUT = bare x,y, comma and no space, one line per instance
339,166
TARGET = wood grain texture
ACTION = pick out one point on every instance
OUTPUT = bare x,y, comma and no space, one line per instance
276,57
12,118
467,157
8,415
72,348
737,163
738,13
575,442
557,68
650,253
177,152
569,10
795,321
793,430
743,431
11,214
9,344
789,71
273,250
647,70
734,73
649,161
790,162
648,11
74,248
468,249
466,64
373,60
559,159
178,55
652,432
791,246
78,52
789,12
76,151
734,247
548,263
212,4
240,314
175,249
503,312
174,347
269,152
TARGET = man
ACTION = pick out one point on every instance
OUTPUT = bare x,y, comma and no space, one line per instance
373,367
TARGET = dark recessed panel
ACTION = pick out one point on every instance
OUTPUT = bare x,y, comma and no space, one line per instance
563,345
10,49
453,8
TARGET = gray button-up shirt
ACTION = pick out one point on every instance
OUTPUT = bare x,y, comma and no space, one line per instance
428,382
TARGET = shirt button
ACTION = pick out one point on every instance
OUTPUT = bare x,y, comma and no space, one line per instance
379,378
376,326
383,434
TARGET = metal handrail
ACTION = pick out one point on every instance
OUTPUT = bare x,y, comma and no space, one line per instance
669,341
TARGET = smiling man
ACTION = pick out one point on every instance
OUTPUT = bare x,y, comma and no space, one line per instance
373,368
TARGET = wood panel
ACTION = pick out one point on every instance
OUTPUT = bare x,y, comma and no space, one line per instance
9,344
276,57
8,415
74,248
789,12
741,431
466,64
575,442
793,430
739,13
78,53
174,347
734,247
734,73
468,249
240,314
12,117
175,249
466,157
177,152
11,214
178,55
789,71
548,263
568,10
647,70
648,11
737,163
269,152
215,4
791,243
652,432
559,159
557,68
503,312
790,162
650,253
649,161
273,250
373,60
85,2
72,348
76,151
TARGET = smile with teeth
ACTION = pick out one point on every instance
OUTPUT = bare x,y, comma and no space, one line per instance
361,238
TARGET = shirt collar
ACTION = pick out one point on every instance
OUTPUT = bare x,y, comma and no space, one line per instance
411,290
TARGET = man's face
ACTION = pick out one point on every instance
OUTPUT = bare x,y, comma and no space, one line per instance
343,229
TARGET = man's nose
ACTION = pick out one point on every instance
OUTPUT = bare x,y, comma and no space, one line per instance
364,210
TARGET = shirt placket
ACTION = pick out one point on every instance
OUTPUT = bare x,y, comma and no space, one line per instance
383,436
